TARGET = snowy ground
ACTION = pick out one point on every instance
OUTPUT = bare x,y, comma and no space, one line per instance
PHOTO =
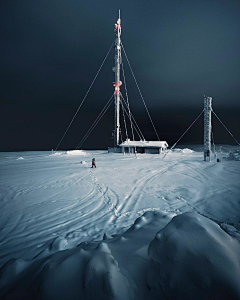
54,202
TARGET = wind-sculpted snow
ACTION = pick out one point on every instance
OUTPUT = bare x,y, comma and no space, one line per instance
79,274
115,268
194,259
52,206
189,258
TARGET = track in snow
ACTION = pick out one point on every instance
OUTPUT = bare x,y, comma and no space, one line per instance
44,197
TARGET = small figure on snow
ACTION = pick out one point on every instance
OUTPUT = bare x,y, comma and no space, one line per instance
93,163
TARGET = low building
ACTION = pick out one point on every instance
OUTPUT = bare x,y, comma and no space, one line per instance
151,147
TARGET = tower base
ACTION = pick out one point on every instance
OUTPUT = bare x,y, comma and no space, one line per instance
114,150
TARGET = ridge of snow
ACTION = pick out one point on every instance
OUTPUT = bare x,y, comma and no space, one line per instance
194,259
57,213
191,257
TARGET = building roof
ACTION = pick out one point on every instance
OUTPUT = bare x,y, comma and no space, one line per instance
146,144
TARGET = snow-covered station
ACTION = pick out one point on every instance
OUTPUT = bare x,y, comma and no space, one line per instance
127,135
129,146
150,147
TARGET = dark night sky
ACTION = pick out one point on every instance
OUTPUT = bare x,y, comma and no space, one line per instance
179,50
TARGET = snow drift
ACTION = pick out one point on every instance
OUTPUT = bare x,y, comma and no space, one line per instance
194,259
80,274
70,152
76,152
71,232
191,257
184,150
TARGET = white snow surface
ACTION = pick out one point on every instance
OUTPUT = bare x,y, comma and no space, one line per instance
132,228
70,152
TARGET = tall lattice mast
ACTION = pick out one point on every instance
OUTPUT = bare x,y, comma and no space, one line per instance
117,82
207,127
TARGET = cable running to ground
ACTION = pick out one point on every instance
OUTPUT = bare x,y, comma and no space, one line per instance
141,137
120,131
125,110
226,128
129,119
125,124
110,101
84,96
96,120
183,133
140,92
214,148
125,85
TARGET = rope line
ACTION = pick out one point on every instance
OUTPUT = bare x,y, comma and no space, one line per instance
124,119
141,137
125,126
226,128
125,85
120,131
107,105
138,133
92,127
124,109
140,92
84,96
103,111
214,148
184,133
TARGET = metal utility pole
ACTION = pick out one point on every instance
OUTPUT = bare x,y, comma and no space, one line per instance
117,82
207,127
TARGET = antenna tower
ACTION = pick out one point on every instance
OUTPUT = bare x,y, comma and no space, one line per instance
207,127
117,82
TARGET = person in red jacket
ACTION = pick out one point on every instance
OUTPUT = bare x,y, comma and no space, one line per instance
93,163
